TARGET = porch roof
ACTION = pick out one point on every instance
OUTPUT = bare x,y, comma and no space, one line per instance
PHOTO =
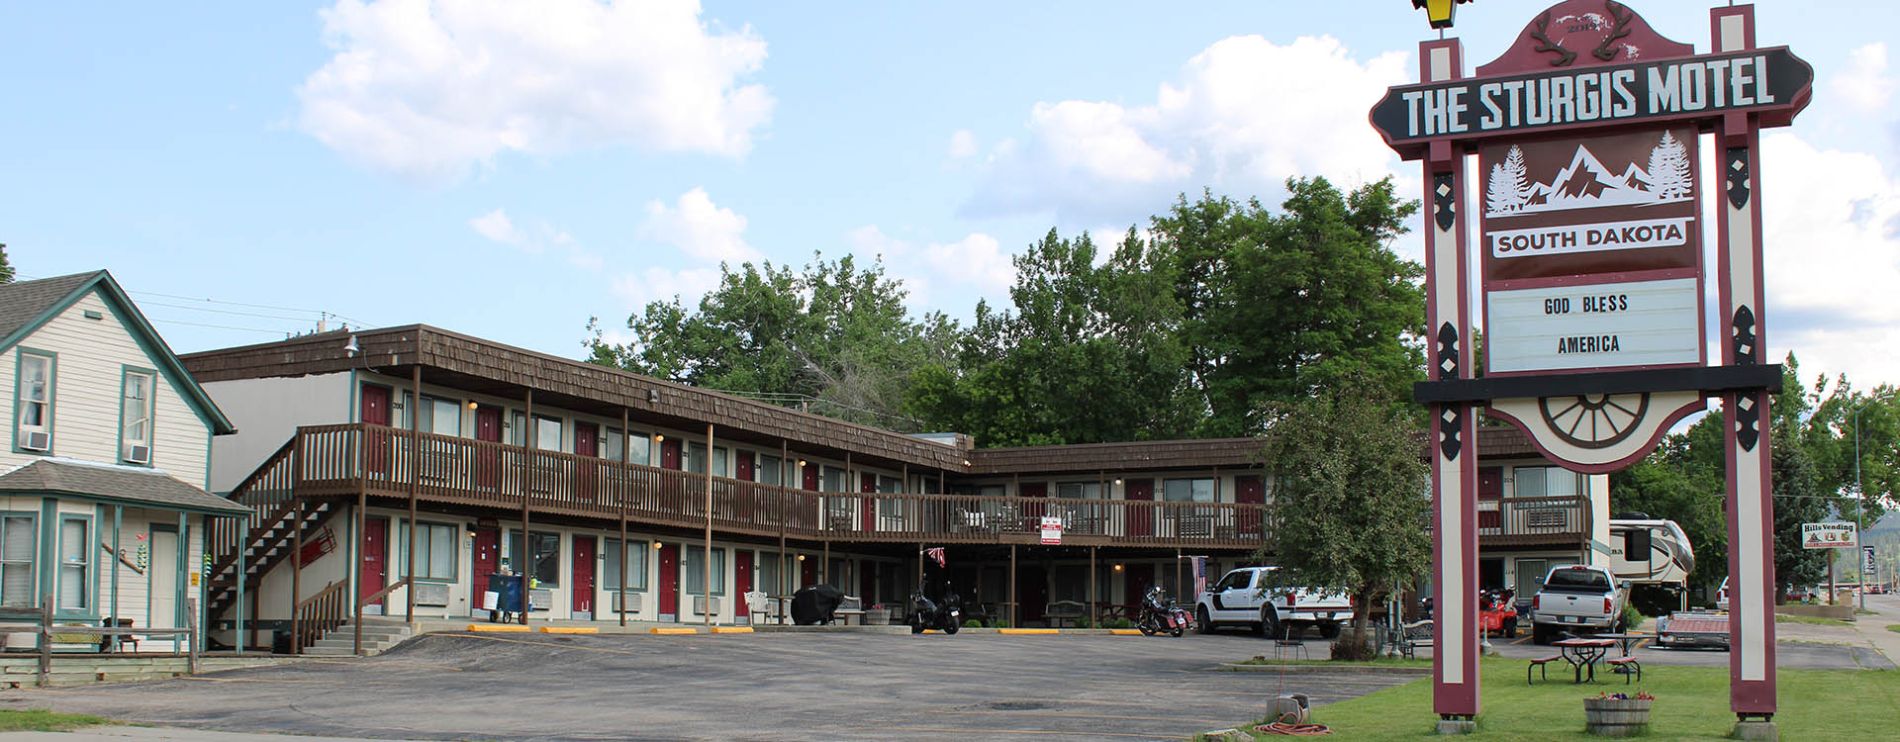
129,484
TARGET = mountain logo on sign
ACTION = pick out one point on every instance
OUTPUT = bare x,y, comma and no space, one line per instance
1586,183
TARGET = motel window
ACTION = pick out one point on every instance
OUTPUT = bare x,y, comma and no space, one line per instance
889,485
693,570
636,565
722,459
696,459
1079,490
1188,490
517,430
611,441
17,535
1547,481
33,402
545,563
992,490
135,416
831,479
1071,582
74,564
771,471
439,416
640,446
435,555
547,433
768,573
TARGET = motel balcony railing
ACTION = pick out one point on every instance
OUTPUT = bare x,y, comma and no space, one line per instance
1527,521
338,461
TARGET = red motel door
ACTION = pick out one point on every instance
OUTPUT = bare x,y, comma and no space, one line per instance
375,411
586,447
670,581
1140,517
1491,490
867,505
808,572
375,557
1250,490
488,464
742,582
584,574
487,561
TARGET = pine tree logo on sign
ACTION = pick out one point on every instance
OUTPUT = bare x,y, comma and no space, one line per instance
1586,183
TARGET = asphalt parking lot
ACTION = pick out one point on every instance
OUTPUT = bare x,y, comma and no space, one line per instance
759,686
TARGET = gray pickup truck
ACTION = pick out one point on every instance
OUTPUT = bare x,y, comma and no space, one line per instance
1577,599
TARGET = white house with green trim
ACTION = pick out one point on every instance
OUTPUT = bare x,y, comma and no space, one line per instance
103,508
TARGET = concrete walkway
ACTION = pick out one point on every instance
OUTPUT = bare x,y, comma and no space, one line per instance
157,734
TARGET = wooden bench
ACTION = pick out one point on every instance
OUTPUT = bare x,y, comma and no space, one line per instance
1542,664
1628,666
851,608
1064,611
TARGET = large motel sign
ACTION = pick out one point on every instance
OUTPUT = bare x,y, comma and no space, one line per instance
1589,197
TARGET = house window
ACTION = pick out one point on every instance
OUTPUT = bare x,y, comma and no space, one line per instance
135,414
435,553
693,570
1547,481
544,563
17,536
721,462
696,459
889,485
74,565
33,399
636,565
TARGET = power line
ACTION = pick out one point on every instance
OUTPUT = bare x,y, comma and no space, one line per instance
208,300
219,327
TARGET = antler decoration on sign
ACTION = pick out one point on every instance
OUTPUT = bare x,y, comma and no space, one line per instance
1544,44
1621,15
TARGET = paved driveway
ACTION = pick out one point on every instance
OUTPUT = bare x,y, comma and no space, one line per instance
759,686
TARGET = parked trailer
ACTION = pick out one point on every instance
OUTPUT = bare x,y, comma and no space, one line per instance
1650,552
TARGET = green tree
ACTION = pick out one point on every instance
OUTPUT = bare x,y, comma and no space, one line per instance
1277,307
1349,497
1088,353
834,338
6,266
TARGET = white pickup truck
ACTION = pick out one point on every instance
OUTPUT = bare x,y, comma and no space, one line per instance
1243,598
1578,599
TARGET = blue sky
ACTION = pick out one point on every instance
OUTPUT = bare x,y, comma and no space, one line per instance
510,169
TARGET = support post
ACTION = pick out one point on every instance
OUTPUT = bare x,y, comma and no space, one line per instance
244,536
525,559
118,522
626,457
1012,588
709,510
1094,618
362,527
296,580
1747,433
415,481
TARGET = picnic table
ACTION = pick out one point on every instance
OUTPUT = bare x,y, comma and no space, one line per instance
1626,642
1583,654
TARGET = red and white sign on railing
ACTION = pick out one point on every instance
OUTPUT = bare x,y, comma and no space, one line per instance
1051,530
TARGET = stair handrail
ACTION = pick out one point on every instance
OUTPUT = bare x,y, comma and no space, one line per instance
379,595
326,610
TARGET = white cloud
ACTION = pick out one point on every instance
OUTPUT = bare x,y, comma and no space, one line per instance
699,228
430,89
1865,83
963,145
1831,230
1227,123
957,272
497,227
661,284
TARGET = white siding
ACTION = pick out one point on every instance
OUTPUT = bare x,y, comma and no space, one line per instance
266,413
91,358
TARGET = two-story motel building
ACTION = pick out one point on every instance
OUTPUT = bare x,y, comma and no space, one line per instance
354,445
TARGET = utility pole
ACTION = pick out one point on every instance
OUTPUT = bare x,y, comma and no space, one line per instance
1860,509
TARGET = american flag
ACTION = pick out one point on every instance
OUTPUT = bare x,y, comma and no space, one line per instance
936,554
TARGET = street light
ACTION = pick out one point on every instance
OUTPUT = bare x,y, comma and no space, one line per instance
1860,508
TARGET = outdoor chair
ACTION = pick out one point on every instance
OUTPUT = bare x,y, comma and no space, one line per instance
1286,643
757,604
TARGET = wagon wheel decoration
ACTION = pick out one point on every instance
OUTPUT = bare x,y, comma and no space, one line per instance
1594,420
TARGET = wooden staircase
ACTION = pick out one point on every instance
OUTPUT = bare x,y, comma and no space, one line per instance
267,537
379,635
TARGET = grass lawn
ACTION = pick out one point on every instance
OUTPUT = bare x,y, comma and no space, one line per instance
1816,620
42,720
1691,703
1380,662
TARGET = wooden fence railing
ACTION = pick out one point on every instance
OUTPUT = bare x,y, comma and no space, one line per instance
335,459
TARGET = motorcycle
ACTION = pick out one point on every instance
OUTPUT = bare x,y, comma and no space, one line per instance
1497,611
945,616
1161,614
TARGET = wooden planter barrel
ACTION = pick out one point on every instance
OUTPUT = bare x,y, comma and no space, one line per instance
1615,717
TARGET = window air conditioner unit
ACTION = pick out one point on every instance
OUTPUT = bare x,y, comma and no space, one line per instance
699,604
541,598
432,593
632,600
138,454
37,440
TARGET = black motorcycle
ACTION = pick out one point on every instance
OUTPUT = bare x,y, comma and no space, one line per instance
1161,615
945,616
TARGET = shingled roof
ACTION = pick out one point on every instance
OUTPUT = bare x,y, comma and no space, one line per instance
23,303
129,484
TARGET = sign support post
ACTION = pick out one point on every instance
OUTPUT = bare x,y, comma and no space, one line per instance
1454,424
